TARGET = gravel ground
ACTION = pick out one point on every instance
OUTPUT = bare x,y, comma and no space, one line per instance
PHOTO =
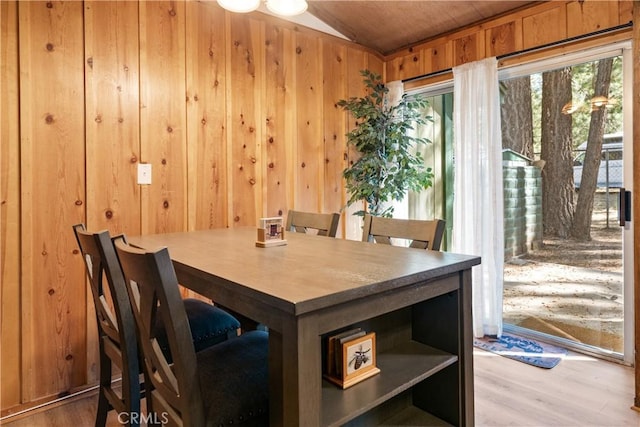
569,288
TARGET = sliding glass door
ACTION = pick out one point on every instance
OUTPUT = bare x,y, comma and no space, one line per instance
567,151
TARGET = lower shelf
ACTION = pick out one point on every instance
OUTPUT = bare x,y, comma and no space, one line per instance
413,416
400,369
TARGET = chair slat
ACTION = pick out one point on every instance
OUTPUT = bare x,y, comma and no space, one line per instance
324,224
423,234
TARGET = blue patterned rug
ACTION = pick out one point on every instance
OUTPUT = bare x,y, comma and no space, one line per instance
523,350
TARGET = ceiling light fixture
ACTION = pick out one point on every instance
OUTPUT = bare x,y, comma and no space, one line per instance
598,102
239,6
570,108
287,7
278,7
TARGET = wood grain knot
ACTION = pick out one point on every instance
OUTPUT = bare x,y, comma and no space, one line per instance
120,120
271,165
271,140
165,204
172,12
163,161
415,59
210,53
51,291
49,119
236,218
133,159
253,159
98,119
169,129
303,164
109,214
50,47
75,251
49,5
68,357
298,50
252,181
78,202
195,98
203,121
279,212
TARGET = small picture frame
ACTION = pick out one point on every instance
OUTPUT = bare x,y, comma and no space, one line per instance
359,358
270,232
355,361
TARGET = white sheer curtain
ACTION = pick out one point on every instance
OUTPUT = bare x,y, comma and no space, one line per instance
393,97
478,199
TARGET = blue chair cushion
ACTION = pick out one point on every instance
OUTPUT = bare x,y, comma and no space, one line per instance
209,325
234,381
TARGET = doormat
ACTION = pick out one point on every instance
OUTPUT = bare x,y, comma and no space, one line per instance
522,349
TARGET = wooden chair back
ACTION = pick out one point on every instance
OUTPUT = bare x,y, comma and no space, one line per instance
116,325
424,234
153,290
326,224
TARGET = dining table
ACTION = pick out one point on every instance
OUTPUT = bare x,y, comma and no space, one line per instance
418,302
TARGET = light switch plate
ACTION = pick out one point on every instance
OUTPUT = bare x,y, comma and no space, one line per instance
144,173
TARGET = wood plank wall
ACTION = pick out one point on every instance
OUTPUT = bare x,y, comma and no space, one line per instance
528,28
235,113
230,110
10,329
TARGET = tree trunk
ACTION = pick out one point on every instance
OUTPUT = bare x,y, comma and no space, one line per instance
517,116
557,174
581,228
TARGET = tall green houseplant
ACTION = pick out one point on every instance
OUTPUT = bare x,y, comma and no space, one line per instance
387,167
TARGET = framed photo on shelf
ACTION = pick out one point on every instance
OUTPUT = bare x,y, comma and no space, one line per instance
359,358
355,358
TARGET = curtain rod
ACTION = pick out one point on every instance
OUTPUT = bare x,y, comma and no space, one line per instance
533,49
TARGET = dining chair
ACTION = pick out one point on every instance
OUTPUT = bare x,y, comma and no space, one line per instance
118,340
423,234
322,224
116,328
226,384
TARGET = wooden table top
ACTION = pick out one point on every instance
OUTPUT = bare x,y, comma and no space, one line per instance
307,274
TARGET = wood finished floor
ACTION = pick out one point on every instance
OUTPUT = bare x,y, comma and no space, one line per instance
580,391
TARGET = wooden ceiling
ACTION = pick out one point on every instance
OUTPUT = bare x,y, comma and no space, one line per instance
388,26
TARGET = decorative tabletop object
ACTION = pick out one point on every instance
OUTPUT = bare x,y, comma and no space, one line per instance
271,232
